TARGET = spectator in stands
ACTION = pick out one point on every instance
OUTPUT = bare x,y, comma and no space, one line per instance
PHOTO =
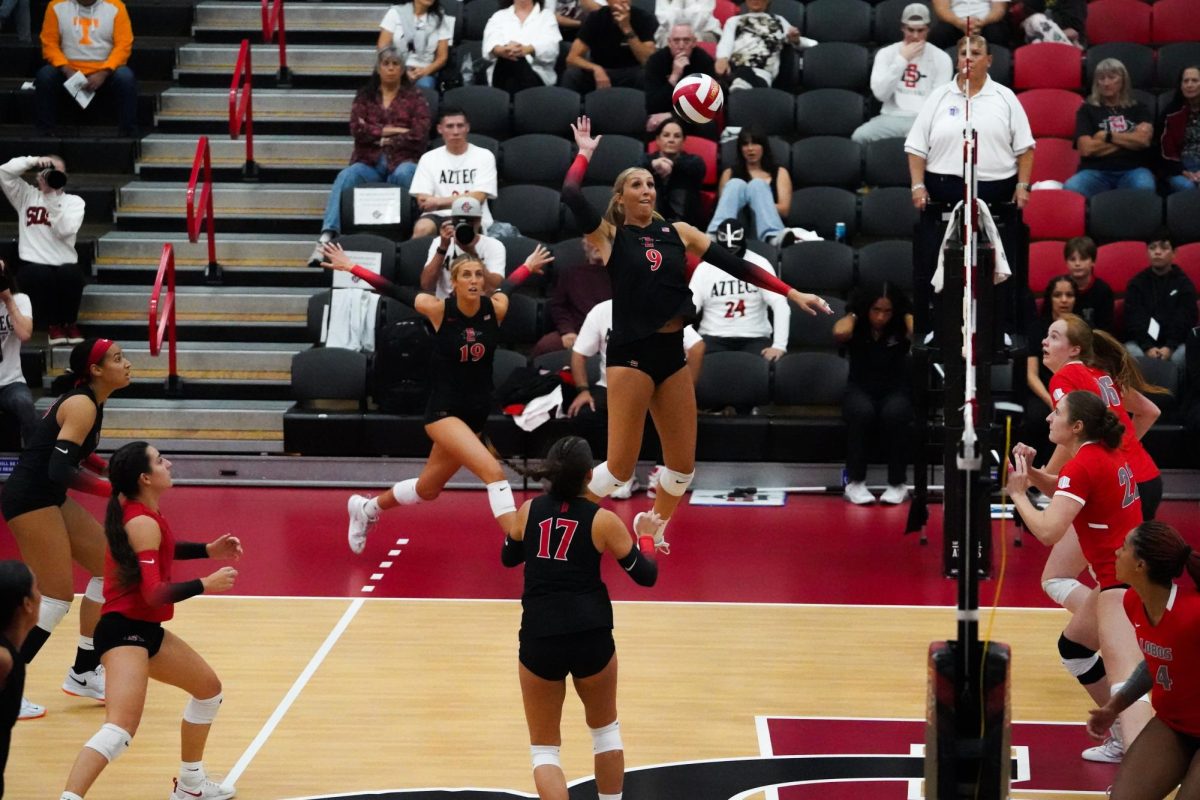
1057,300
1160,305
1093,297
755,182
986,19
617,39
1190,405
18,11
389,121
49,220
733,314
751,44
458,235
522,38
457,167
16,326
1062,21
1113,132
666,66
1180,140
904,75
571,13
578,288
696,14
422,32
877,332
677,175
96,43
934,144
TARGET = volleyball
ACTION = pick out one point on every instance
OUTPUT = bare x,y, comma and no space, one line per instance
697,98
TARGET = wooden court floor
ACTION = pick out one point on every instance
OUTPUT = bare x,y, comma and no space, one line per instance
361,678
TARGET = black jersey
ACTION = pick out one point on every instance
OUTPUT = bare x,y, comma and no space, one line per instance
563,591
31,476
10,702
648,268
463,350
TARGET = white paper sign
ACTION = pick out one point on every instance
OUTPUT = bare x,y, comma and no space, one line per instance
76,86
368,261
377,205
1153,328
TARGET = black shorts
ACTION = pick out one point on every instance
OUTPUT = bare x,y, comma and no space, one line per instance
22,494
475,418
581,654
117,630
659,355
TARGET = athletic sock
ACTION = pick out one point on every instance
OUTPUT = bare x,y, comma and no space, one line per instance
33,643
191,773
86,659
70,796
371,509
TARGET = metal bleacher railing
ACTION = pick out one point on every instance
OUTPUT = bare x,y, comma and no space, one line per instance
272,23
162,319
241,115
195,220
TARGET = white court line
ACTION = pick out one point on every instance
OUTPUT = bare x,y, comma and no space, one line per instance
286,703
765,749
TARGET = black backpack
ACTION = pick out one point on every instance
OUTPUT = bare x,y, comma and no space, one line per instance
400,369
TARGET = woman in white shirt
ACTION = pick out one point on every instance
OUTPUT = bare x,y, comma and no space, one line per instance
522,41
422,32
1005,149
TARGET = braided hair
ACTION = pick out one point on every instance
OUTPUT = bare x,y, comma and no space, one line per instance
1165,552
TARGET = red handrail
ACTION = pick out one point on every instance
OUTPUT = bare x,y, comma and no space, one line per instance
194,220
272,21
241,115
162,314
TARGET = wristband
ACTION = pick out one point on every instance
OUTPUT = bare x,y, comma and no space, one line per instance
918,186
442,252
630,35
1108,137
584,388
1023,185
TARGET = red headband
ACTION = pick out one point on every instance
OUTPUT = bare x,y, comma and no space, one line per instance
98,350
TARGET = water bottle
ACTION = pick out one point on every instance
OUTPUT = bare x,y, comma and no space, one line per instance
839,232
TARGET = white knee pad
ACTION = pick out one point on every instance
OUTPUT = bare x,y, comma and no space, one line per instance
51,612
1059,589
603,482
110,741
544,755
606,738
95,590
405,492
202,712
675,483
501,499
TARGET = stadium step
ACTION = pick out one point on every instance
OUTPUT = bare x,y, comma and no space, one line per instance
309,111
187,425
279,158
327,22
239,207
212,64
258,259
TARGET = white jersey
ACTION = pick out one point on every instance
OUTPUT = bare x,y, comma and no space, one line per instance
47,222
734,309
440,173
491,251
593,336
903,86
10,345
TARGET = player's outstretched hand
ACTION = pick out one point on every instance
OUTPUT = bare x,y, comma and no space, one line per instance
225,546
538,259
336,258
811,303
584,140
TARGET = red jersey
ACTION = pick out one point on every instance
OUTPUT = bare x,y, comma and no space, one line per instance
143,600
1172,652
1101,481
1076,376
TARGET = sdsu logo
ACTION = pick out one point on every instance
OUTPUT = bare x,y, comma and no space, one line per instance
647,241
36,215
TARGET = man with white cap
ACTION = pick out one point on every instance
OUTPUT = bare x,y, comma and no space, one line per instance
459,234
903,76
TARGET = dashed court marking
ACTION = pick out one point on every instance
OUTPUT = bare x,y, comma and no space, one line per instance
383,566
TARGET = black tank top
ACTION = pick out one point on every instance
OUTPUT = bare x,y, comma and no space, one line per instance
34,463
563,591
648,268
463,350
10,703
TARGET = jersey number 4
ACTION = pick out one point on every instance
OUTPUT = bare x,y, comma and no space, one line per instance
546,529
1163,678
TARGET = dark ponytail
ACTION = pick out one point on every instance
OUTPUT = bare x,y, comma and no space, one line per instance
125,468
1099,424
1165,552
566,466
16,584
78,369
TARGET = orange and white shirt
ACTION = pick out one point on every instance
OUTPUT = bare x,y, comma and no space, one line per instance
87,38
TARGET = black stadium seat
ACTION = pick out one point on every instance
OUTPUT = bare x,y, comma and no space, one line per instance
820,208
826,161
617,110
838,21
810,379
534,210
769,111
889,213
821,267
1124,214
487,107
1183,218
887,21
535,158
1172,59
475,15
885,163
809,332
886,262
614,155
829,112
779,151
737,379
1137,58
545,109
837,65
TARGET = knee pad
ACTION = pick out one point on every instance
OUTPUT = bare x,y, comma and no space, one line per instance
95,590
405,492
1058,589
544,755
603,482
675,483
110,741
1084,664
606,738
501,498
51,612
202,712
